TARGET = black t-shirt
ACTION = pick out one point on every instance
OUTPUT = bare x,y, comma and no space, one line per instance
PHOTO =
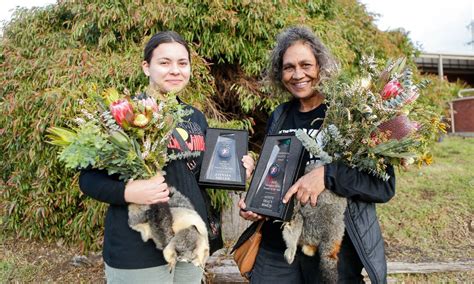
183,174
123,247
360,187
310,122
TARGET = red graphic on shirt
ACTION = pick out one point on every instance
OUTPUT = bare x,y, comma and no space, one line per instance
194,143
195,139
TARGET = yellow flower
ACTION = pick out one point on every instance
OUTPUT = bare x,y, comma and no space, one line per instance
426,158
442,127
140,120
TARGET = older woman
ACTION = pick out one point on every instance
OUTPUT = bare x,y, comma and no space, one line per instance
298,63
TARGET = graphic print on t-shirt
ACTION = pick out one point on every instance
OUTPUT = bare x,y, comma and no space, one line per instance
192,135
313,133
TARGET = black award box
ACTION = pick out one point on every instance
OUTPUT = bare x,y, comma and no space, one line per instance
222,166
278,168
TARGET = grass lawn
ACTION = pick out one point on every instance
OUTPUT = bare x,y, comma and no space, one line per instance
431,217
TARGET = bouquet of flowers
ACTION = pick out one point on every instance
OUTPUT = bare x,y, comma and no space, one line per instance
123,135
129,137
372,121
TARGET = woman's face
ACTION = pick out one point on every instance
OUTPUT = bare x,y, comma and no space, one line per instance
300,71
169,68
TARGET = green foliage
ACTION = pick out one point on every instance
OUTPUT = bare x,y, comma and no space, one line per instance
85,148
439,93
220,198
49,56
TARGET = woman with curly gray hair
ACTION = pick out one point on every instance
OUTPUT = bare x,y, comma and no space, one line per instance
325,63
299,63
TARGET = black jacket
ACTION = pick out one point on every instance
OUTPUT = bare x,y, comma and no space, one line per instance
123,247
362,191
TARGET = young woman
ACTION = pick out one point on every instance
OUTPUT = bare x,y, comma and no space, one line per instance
127,258
298,63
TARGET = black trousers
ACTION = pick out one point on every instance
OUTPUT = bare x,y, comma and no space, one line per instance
272,268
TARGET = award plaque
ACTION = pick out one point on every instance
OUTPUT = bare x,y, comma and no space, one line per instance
278,168
222,166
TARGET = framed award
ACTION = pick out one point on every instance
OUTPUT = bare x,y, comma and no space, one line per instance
278,168
222,166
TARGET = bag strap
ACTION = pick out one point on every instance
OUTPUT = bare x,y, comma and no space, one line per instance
281,112
260,224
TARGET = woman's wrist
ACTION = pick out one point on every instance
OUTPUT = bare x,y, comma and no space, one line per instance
127,192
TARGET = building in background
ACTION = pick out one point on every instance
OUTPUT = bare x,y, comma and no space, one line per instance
448,66
454,67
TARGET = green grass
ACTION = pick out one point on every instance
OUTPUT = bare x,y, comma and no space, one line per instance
430,216
15,268
34,261
445,277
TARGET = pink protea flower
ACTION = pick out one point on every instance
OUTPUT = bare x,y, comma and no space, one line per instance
391,90
150,102
398,127
122,111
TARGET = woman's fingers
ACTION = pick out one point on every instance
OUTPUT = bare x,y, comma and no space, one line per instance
314,199
249,165
241,204
158,178
292,190
161,196
160,200
247,215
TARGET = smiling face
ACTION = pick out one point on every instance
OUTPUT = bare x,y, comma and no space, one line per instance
300,71
169,68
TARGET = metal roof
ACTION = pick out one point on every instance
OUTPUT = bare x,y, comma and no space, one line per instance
450,63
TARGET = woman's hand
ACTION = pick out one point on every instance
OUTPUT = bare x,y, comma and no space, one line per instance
307,187
249,165
147,191
248,215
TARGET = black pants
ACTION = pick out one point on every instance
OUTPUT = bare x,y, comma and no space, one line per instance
272,268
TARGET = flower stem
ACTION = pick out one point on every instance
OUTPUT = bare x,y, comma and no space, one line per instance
148,170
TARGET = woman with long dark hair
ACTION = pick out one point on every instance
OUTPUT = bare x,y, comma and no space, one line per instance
127,258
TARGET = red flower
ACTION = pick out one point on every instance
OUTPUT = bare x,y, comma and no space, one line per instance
122,111
391,90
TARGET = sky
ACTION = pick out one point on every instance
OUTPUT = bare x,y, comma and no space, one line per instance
433,25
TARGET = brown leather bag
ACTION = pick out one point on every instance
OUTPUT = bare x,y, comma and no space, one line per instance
246,253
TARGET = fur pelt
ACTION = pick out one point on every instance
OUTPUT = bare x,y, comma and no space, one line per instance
190,243
175,227
318,228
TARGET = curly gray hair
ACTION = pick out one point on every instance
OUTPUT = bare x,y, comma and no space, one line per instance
288,37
